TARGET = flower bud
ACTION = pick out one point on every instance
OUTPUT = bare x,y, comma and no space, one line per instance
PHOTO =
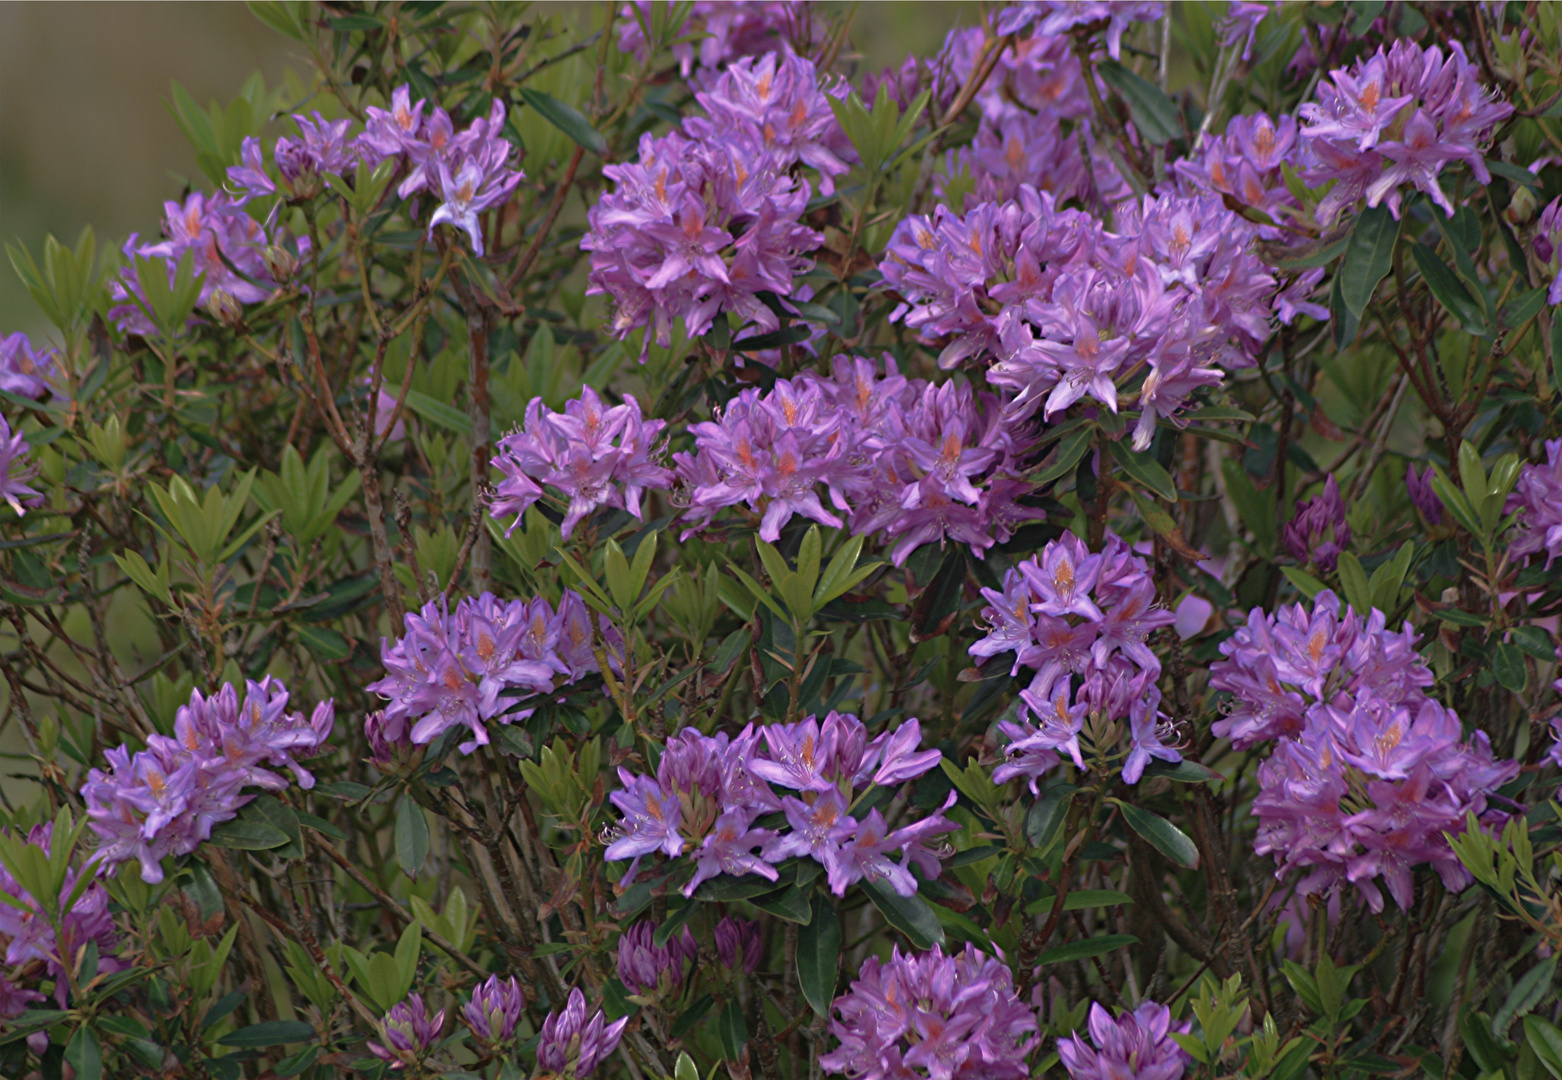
738,943
280,263
225,309
1521,208
494,1010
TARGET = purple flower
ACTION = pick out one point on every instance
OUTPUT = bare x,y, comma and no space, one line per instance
24,370
739,944
935,1016
1422,497
1393,119
648,969
16,469
393,131
1137,1044
474,175
465,667
596,455
494,1010
31,937
720,31
1548,243
573,1046
1370,788
1318,533
408,1033
165,799
1537,499
1062,16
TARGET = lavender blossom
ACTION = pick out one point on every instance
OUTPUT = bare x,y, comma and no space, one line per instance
164,800
16,469
1422,497
596,455
494,1010
408,1033
718,32
32,941
739,945
1369,789
649,970
1318,533
24,370
936,1016
571,1045
1064,16
1137,1044
1278,666
1397,118
1537,499
466,667
1547,244
473,175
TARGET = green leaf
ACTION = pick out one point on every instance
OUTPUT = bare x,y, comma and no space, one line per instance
1080,900
411,836
732,1030
322,642
1450,292
1044,821
819,955
790,904
1084,950
908,914
1507,667
1162,835
436,411
85,1054
271,1033
1527,992
566,118
240,835
1353,580
1154,114
1546,1041
1070,452
1146,470
1368,257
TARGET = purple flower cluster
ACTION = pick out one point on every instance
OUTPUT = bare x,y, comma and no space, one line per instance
25,370
1136,1044
739,945
935,1016
1422,497
595,455
709,790
29,938
909,460
647,969
718,32
165,799
1068,16
1370,788
1547,244
1066,310
462,668
1318,533
224,243
574,1045
1537,498
494,1010
408,1033
1395,119
1071,614
322,149
708,217
1280,667
16,469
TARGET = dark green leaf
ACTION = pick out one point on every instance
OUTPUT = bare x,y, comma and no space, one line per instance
789,904
1070,452
732,1029
566,118
240,835
819,955
85,1054
1523,307
775,339
1368,257
297,1063
1344,322
1507,667
1162,835
1146,470
1535,641
1459,617
322,642
908,914
411,836
1515,173
446,416
939,605
1546,1041
1084,950
1154,114
691,1016
271,1033
1450,292
1184,772
1080,900
1045,820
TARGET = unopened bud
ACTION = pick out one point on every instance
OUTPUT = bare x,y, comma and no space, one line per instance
1521,208
280,263
225,309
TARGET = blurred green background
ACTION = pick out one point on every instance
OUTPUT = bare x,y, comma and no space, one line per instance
85,138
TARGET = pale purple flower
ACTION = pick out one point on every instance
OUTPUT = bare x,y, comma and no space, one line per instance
647,968
474,176
1136,1044
1318,533
739,945
934,1016
720,31
16,469
408,1033
734,847
31,938
572,1045
1064,16
1240,23
494,1010
598,456
1547,244
322,148
1537,499
24,370
392,131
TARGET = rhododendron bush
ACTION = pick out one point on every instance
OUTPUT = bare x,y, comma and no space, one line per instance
620,541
